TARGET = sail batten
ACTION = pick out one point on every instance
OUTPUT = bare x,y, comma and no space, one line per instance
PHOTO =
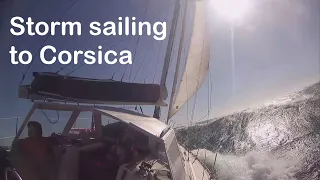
197,62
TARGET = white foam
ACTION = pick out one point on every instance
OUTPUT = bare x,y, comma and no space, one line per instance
252,166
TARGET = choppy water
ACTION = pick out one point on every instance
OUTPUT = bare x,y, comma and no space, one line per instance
278,141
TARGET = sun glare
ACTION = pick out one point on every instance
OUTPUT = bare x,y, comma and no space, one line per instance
232,9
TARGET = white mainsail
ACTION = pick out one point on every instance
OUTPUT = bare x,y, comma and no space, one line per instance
197,62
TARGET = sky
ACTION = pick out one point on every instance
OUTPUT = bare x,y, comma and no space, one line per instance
276,51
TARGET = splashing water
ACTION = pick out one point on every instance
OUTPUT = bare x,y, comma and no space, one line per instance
252,166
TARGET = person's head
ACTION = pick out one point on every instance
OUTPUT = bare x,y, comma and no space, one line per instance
34,129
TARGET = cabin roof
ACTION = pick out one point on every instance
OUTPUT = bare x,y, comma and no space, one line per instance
146,123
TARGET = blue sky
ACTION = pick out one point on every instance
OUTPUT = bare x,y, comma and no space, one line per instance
276,50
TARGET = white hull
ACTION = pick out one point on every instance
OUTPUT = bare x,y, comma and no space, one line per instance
194,169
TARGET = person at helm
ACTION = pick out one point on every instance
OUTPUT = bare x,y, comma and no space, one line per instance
38,153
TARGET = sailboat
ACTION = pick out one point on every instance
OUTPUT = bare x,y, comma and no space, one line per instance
81,153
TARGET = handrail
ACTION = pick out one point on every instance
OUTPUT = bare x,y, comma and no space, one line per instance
7,137
15,173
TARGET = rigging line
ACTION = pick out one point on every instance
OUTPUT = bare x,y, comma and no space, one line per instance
17,123
5,118
208,110
205,156
46,38
173,31
187,112
114,73
209,107
209,99
141,109
208,144
179,57
77,68
199,71
195,98
113,46
51,122
153,44
157,62
194,106
158,56
126,47
160,13
184,52
126,66
124,73
62,68
139,37
107,42
187,107
125,70
196,156
168,54
146,71
209,91
81,65
103,44
232,60
149,49
187,115
185,63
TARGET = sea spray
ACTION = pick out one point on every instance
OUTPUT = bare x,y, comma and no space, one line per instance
252,166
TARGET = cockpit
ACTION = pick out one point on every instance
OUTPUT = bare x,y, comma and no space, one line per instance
80,142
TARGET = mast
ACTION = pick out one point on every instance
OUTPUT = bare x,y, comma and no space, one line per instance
156,113
176,73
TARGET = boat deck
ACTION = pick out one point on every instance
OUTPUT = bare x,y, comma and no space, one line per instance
194,169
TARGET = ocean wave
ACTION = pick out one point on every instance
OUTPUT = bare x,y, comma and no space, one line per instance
252,166
278,141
